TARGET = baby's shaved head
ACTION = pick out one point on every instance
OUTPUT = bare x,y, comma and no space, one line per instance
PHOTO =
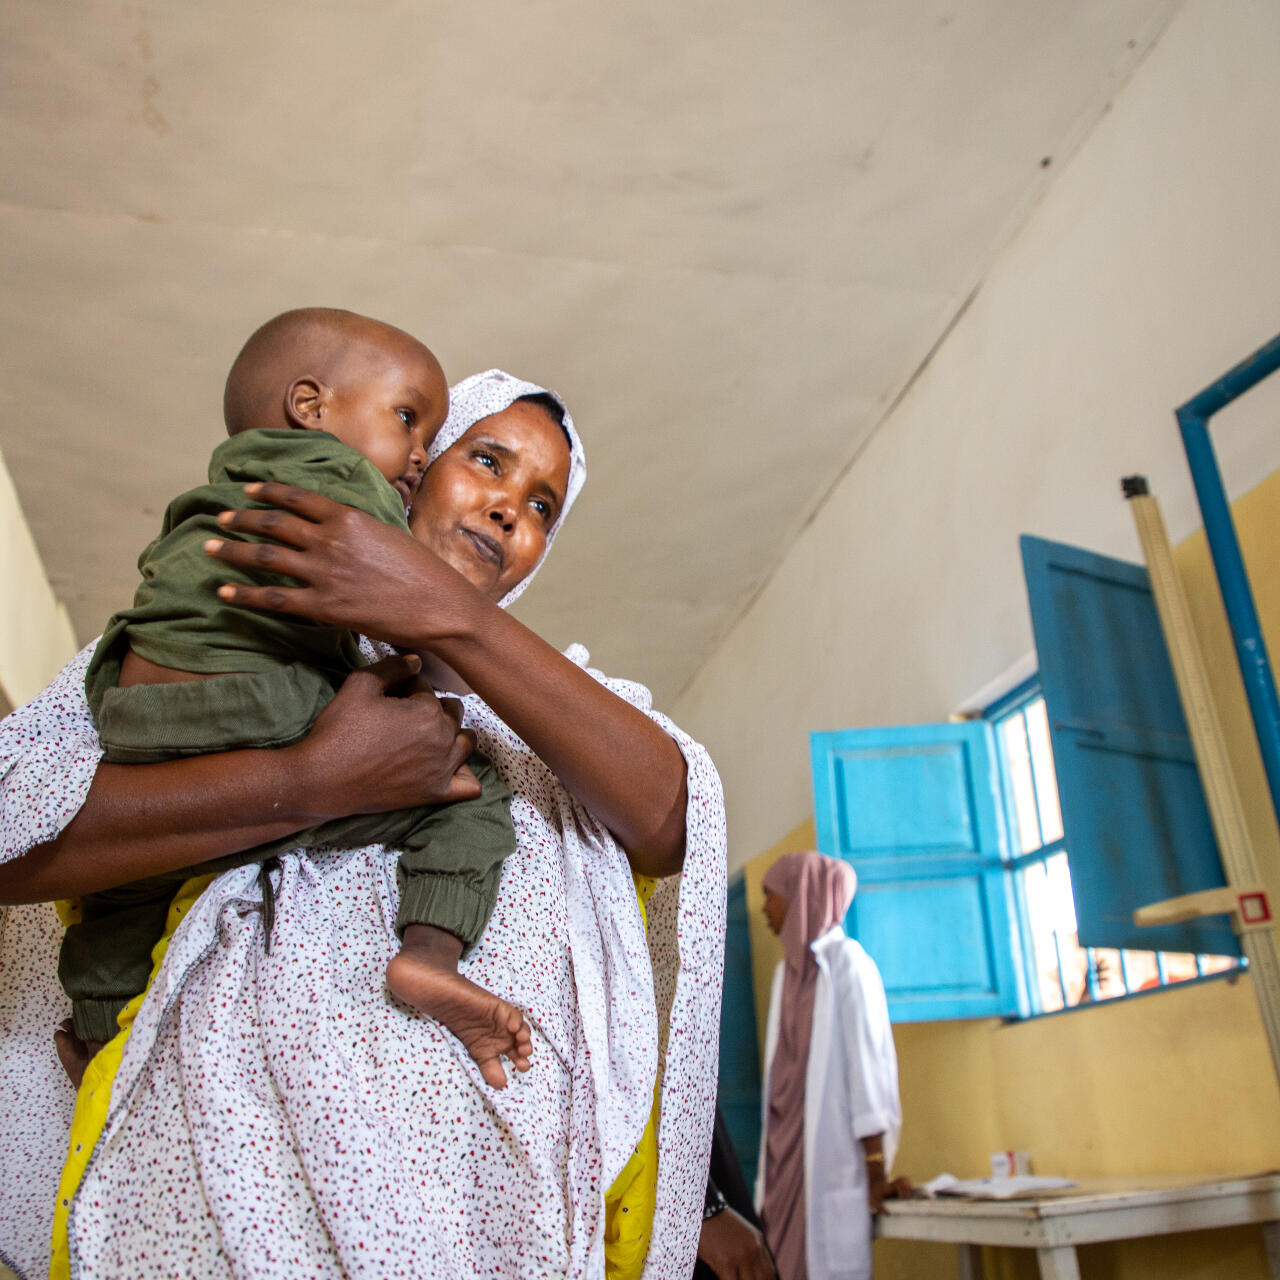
317,342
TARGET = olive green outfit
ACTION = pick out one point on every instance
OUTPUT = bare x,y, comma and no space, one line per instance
275,675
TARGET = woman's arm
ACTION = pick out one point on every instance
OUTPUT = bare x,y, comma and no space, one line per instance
360,574
366,753
880,1187
612,757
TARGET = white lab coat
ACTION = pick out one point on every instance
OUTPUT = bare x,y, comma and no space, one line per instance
851,1093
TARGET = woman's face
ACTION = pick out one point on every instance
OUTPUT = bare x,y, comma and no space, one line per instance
775,910
487,503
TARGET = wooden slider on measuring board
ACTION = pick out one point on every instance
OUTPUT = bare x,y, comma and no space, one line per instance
1248,908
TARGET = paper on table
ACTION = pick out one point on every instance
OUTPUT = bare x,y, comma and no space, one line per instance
946,1184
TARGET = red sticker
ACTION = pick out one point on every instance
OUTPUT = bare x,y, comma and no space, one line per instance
1254,908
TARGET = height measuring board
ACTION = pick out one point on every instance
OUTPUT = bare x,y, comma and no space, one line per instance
1244,899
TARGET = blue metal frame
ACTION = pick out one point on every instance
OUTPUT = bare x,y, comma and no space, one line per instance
1017,697
738,1094
1015,861
1251,650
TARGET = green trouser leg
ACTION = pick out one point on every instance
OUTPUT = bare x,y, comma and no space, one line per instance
450,862
106,957
451,855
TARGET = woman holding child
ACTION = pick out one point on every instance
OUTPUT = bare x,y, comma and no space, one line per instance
275,1113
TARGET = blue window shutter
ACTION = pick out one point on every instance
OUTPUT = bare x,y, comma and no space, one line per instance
739,1085
1134,814
914,809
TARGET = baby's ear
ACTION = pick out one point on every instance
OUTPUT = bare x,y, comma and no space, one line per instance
306,403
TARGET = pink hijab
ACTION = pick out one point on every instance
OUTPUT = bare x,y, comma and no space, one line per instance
818,891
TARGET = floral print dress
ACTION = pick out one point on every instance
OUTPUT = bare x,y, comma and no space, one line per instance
277,1114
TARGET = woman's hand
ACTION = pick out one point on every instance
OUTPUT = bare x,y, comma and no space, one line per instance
365,576
880,1188
355,572
734,1249
368,751
371,751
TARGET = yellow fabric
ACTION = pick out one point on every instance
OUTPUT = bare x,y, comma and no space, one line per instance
629,1204
94,1096
68,910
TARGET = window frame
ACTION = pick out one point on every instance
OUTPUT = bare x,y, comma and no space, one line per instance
996,713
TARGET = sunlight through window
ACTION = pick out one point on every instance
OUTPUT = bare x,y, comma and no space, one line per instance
1062,974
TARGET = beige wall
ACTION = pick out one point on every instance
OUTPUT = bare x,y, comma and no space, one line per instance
1149,269
1176,1082
1151,266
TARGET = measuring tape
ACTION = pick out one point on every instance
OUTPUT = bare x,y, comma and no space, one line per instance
1245,901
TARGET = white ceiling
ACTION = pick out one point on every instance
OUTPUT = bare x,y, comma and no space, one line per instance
729,233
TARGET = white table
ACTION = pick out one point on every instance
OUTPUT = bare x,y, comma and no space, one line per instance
1098,1209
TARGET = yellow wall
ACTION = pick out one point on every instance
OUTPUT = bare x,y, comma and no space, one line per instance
35,632
1180,1081
1257,520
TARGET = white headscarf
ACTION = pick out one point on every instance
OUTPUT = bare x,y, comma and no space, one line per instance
481,396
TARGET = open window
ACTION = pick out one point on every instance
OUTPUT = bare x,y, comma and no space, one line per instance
978,896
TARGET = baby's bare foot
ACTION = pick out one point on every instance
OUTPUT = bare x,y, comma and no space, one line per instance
488,1027
74,1054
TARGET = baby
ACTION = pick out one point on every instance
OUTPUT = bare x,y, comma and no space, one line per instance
347,406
